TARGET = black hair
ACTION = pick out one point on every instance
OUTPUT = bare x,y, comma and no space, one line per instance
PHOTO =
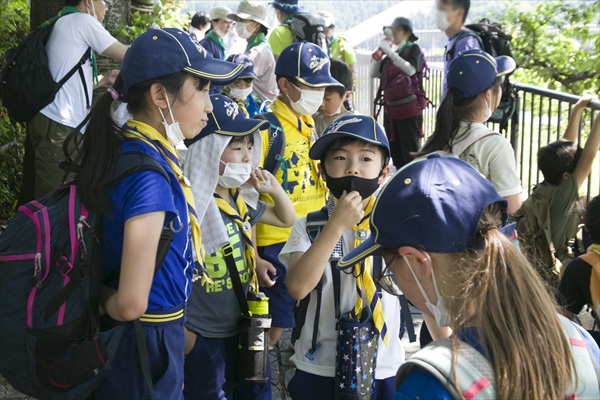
348,141
94,154
290,79
450,112
72,3
262,29
464,4
557,158
200,19
341,72
249,138
592,219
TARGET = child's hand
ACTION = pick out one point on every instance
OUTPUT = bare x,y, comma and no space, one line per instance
263,181
348,211
585,100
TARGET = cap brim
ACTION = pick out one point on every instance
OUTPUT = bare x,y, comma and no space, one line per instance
242,127
217,71
505,65
364,250
235,16
320,81
318,148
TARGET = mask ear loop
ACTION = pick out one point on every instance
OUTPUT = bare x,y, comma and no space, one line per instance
419,283
93,9
169,108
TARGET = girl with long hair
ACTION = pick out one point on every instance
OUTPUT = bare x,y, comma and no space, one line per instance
474,91
164,80
441,229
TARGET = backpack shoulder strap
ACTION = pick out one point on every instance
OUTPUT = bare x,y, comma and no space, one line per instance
461,35
588,374
474,135
315,221
131,162
474,372
276,147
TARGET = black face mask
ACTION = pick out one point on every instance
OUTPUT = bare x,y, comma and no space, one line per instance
365,187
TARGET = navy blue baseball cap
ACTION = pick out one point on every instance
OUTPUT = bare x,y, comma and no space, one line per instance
362,127
306,62
473,71
160,52
227,119
248,64
434,205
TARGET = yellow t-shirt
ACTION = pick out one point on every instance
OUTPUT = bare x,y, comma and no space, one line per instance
280,38
305,187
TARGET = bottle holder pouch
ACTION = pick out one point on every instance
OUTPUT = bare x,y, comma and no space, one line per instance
356,357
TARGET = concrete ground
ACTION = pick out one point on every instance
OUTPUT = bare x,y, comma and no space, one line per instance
282,368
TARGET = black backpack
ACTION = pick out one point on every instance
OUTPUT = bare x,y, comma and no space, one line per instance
309,27
274,156
495,42
51,265
26,84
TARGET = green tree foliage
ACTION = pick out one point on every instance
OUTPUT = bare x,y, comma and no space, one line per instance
14,26
557,45
166,14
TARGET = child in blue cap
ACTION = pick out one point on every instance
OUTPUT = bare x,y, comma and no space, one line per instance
164,79
354,155
303,73
242,88
474,91
441,229
224,157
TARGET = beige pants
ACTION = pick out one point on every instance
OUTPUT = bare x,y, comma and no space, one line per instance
47,138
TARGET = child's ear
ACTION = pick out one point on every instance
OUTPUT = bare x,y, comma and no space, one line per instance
157,94
320,167
284,85
347,96
384,174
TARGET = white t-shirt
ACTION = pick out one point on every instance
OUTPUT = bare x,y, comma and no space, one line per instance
389,358
494,157
70,39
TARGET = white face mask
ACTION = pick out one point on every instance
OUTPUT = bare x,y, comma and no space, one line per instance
235,174
173,131
441,20
401,44
488,111
439,310
241,30
309,101
219,32
240,93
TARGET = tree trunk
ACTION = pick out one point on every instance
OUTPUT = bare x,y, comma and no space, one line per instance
42,10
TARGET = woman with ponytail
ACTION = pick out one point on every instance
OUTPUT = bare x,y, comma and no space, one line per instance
441,229
474,92
164,80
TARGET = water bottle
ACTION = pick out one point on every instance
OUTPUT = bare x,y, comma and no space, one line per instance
378,54
253,348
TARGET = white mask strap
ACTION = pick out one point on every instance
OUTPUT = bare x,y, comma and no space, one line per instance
419,283
169,107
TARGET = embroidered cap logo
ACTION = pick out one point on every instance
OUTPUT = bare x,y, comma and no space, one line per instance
232,109
337,125
317,63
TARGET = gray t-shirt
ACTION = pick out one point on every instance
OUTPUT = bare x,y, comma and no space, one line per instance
213,310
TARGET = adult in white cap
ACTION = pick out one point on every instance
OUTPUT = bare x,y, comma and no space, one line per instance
251,17
474,92
220,25
164,80
339,46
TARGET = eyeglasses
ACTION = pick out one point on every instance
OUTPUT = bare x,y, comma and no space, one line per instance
386,280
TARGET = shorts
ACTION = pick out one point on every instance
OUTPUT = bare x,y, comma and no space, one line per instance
165,343
305,386
280,301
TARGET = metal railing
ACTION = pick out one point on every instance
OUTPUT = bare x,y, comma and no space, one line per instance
541,117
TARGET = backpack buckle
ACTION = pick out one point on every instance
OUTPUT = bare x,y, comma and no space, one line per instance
64,266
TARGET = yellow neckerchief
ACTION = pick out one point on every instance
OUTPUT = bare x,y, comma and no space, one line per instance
592,257
145,133
364,281
242,218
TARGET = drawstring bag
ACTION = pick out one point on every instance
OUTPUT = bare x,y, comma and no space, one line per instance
356,357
